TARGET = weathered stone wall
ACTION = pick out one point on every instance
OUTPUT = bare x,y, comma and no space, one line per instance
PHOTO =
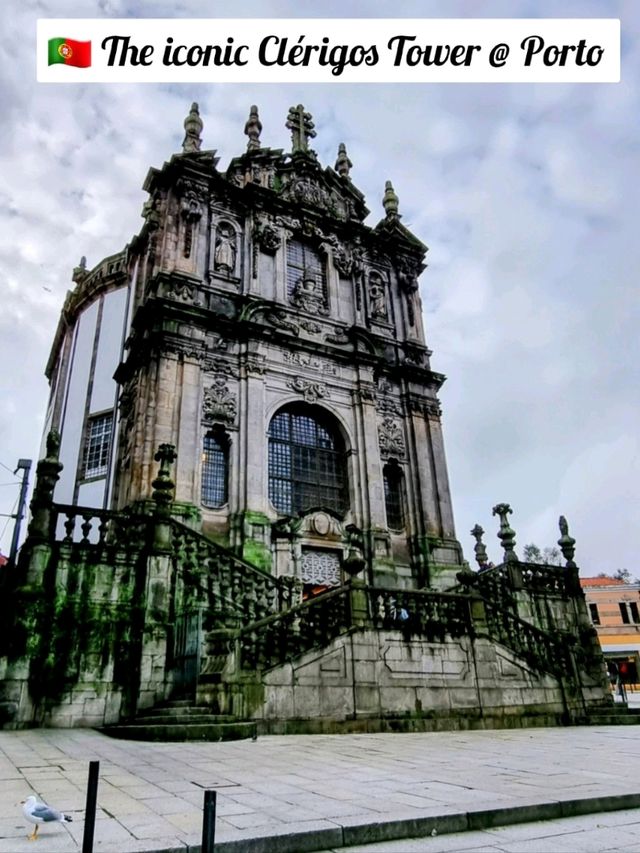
382,673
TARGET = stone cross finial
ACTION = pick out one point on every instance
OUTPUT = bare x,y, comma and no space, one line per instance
566,542
390,201
302,128
343,164
192,128
506,535
253,129
480,548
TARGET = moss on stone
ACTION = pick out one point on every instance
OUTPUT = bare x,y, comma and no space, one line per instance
257,554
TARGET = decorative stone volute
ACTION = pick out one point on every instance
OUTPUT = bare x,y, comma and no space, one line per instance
193,128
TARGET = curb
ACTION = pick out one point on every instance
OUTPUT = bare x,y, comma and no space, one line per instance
345,836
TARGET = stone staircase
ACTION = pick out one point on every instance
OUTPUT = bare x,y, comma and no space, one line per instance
619,714
181,720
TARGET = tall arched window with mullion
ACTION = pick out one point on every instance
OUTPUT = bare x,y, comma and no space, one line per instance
306,462
303,262
215,469
394,495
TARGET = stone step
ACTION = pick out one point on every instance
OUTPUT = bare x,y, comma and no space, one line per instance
612,719
184,732
169,710
188,719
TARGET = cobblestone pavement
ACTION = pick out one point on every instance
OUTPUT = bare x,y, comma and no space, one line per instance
334,789
597,833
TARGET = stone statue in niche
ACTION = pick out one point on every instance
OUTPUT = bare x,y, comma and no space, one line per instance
377,298
224,258
308,296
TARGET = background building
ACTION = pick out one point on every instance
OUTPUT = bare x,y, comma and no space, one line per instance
614,607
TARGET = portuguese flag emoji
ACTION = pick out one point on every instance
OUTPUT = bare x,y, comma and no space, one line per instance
70,52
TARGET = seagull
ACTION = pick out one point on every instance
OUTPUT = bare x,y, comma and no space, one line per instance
38,813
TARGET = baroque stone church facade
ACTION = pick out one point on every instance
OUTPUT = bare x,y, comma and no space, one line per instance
264,476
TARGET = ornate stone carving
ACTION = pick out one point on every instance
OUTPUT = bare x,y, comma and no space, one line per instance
252,129
343,164
256,364
280,319
219,403
342,257
320,567
377,294
182,291
308,296
506,534
190,210
391,438
192,128
312,391
390,201
310,327
224,256
365,394
303,359
302,128
339,337
267,236
306,189
566,542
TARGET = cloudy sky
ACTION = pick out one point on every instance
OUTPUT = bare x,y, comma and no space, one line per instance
527,196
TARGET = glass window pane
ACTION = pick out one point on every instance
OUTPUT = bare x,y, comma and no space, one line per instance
306,463
97,446
215,464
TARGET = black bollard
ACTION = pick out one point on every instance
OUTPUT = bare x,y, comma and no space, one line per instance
90,808
208,822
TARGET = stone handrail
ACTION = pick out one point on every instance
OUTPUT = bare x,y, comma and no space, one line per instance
284,636
542,650
89,526
234,589
434,615
314,623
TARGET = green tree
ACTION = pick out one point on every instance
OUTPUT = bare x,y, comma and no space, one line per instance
550,556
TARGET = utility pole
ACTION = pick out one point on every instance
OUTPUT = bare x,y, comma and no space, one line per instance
24,465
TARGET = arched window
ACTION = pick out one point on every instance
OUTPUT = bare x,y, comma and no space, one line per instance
215,468
393,495
307,465
306,279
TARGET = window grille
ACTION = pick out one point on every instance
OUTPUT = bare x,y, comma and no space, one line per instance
97,445
304,262
393,495
215,470
306,463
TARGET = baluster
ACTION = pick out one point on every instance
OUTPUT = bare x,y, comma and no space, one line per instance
103,527
69,526
86,527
